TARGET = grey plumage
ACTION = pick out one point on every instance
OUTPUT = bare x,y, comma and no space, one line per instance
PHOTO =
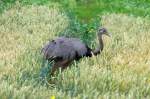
64,50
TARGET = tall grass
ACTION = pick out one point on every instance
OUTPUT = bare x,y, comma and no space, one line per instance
23,31
121,71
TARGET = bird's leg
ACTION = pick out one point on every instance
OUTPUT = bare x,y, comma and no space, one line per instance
54,68
60,64
66,63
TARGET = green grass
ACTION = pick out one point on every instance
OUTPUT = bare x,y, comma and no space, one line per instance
121,71
86,10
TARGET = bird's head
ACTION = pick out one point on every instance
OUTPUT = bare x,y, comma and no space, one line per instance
102,31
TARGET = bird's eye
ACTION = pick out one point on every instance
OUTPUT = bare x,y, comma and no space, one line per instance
54,41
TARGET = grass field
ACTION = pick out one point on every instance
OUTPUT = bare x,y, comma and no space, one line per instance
121,72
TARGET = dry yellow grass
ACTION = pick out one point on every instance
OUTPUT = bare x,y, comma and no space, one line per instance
24,29
131,36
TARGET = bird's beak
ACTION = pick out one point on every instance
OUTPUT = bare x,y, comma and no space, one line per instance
108,34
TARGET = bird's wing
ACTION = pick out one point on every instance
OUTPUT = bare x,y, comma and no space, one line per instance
64,49
79,46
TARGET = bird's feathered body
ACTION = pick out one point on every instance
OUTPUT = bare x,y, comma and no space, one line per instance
64,50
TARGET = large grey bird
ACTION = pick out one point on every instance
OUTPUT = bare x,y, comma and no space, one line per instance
64,50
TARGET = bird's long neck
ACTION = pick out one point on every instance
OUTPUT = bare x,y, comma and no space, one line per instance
99,49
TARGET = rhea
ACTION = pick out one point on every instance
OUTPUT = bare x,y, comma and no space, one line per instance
63,51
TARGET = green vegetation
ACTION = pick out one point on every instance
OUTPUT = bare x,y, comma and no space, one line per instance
122,71
88,9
